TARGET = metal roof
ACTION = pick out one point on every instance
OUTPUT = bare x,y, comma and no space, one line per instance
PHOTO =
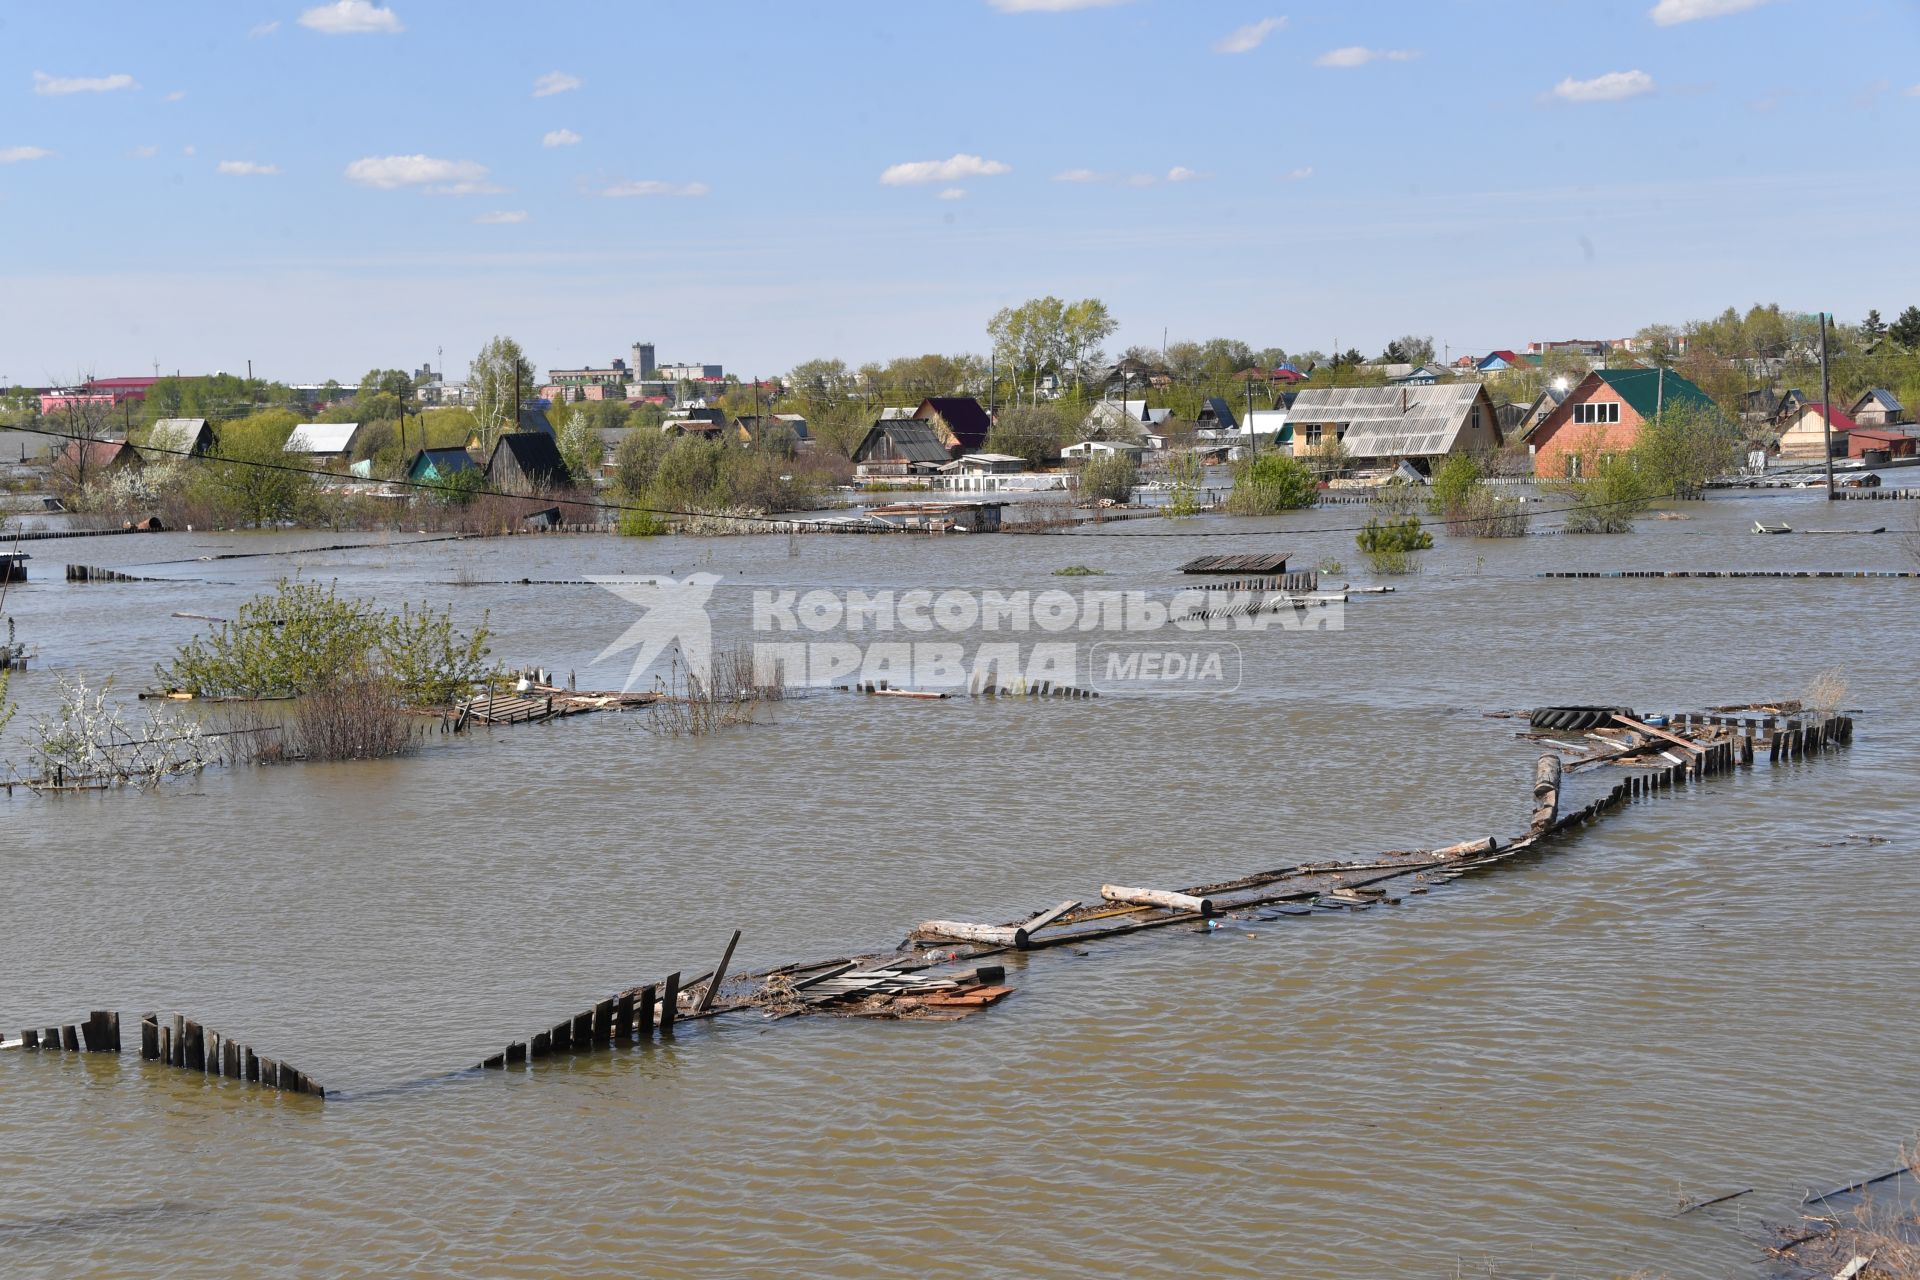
1391,422
322,437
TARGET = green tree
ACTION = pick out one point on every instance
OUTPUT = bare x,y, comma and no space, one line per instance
1606,492
1683,448
580,448
636,461
1873,327
394,382
1906,329
497,370
1272,483
1109,478
1186,473
1393,546
249,478
1031,433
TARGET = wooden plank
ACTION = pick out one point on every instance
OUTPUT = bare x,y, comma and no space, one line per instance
643,1006
1047,917
623,1017
149,1038
583,1031
719,974
1648,729
669,1002
992,934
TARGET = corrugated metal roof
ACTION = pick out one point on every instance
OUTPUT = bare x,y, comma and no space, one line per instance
1391,422
322,437
909,440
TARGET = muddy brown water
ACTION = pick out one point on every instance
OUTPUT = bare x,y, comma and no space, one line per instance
1520,1075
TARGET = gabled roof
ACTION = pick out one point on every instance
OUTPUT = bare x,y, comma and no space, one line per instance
322,439
537,456
445,462
99,454
909,439
535,420
1389,422
1220,412
964,417
171,436
1650,390
1839,421
1880,396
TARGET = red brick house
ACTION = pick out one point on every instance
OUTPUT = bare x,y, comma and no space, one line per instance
1604,414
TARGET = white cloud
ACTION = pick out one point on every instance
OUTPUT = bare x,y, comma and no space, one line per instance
950,170
247,169
1050,6
1250,37
560,138
187,150
1180,173
1081,175
1671,12
652,187
351,18
1300,175
440,177
1611,87
178,95
46,84
1914,92
144,153
14,155
555,82
1355,55
502,218
954,193
264,29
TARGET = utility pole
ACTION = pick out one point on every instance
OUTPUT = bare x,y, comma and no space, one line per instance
1826,404
1253,441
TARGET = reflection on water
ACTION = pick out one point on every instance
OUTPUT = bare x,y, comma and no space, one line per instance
1526,1071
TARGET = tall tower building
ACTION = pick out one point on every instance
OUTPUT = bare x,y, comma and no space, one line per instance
643,364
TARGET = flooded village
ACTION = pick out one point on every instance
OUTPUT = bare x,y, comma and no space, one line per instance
538,736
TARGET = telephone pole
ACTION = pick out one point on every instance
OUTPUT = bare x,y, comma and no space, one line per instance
1826,405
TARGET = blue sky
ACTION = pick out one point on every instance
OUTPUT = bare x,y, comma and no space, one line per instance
324,189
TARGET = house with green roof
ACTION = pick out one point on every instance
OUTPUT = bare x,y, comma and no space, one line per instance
1604,414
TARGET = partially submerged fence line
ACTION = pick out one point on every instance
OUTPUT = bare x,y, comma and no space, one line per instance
1732,573
180,1042
922,977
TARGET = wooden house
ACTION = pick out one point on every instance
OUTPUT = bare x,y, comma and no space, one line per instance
1604,413
526,462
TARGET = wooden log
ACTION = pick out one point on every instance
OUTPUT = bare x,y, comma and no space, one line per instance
517,1053
562,1036
1650,731
230,1058
498,1062
29,1039
623,1017
992,934
252,1067
542,1045
643,1007
269,1073
113,1031
1468,848
583,1031
669,1002
166,1045
719,975
1546,776
213,1053
70,1038
179,1058
194,1055
1156,898
149,1038
93,1034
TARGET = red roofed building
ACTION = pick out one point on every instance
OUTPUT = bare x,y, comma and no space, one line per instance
97,391
1803,436
1896,444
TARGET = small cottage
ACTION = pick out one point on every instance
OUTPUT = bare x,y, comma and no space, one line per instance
1804,437
900,447
1878,408
526,462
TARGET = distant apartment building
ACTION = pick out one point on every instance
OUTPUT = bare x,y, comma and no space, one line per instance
691,373
573,385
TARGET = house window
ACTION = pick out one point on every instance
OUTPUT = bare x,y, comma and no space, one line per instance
1594,411
1313,435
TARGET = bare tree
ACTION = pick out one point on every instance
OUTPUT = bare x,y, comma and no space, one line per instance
87,422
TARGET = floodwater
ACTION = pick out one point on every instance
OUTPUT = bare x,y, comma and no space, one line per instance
1521,1074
